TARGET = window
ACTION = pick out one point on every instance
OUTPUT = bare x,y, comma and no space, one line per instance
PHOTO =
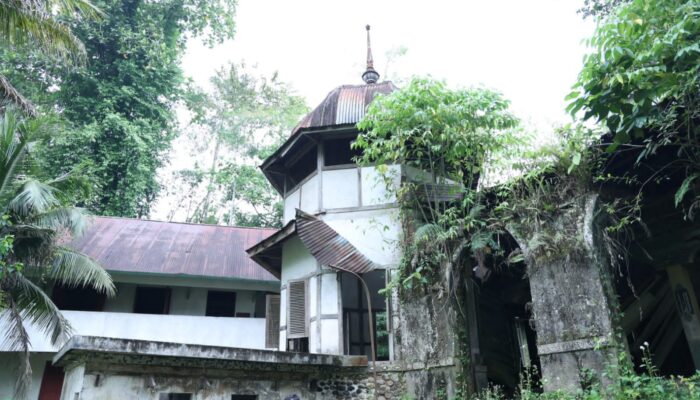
221,304
339,152
296,313
272,321
77,298
244,397
302,167
175,396
152,300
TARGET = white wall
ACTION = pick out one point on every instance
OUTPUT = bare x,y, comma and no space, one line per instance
211,331
9,365
341,188
291,203
309,195
73,382
375,233
374,190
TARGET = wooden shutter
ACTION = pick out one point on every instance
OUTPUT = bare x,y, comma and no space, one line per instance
272,321
296,310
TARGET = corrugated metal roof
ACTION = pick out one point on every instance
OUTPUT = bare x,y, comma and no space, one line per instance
134,245
344,105
328,247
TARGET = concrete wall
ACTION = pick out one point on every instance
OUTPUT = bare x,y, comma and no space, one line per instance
341,188
213,331
375,233
9,365
110,382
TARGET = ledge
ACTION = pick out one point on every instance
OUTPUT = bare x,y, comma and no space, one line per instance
94,349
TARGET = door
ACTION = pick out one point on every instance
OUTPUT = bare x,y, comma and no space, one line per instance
51,383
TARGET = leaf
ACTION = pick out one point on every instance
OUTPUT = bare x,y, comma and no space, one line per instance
684,188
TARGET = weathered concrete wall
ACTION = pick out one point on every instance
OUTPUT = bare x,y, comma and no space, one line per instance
9,365
426,345
571,295
118,382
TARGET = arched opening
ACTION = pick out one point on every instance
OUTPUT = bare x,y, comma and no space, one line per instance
506,349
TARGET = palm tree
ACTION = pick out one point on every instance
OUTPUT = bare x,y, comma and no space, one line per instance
33,225
34,22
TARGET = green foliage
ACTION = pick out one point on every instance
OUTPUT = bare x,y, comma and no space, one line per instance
599,8
118,109
442,137
239,124
642,81
628,385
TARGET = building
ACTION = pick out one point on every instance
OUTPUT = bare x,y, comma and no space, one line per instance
304,327
177,283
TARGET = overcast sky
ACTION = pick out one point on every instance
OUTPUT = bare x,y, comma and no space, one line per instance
529,50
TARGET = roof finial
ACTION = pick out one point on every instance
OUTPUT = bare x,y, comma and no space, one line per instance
370,75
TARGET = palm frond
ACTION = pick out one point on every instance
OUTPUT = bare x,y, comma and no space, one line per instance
37,308
9,93
426,233
16,338
72,219
25,24
12,149
34,197
72,269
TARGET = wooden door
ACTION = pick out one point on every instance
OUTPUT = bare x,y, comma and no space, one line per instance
51,383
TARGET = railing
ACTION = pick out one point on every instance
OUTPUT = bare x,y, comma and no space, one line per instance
209,331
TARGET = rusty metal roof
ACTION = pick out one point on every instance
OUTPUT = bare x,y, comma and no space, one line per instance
328,247
155,247
344,105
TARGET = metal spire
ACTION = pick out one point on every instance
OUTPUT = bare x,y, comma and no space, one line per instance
370,75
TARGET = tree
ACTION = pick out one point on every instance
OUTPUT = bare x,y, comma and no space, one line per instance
447,135
239,124
35,215
599,8
120,106
34,23
642,82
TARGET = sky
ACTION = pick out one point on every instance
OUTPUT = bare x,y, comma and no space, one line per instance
531,51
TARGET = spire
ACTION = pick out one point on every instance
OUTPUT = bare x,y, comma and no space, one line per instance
370,75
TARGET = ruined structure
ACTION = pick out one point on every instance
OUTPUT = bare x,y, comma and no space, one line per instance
564,312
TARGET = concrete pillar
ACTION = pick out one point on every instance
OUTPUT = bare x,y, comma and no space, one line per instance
571,295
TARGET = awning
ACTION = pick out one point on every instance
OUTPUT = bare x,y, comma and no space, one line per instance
329,247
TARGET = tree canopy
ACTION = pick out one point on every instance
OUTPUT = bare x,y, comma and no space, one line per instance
237,125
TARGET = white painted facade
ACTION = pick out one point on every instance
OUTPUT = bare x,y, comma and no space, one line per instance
185,322
354,202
